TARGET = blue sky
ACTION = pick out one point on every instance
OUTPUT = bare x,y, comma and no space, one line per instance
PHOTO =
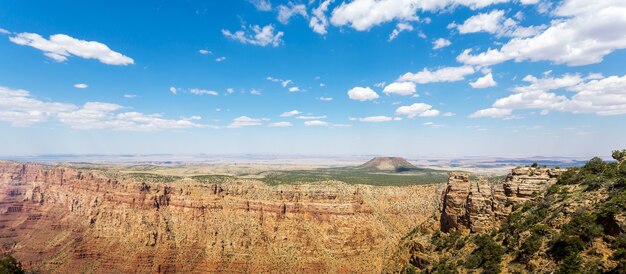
404,77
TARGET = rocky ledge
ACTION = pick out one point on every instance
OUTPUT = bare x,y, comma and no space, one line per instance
479,206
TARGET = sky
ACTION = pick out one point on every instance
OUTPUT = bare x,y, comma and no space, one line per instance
438,78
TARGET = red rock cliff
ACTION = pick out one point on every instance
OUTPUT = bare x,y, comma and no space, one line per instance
62,220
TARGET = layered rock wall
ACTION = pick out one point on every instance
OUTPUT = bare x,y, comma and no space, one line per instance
63,220
479,206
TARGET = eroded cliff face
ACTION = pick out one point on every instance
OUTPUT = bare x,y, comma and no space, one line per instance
479,206
62,220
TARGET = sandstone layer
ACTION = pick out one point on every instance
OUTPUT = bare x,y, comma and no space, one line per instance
63,220
479,206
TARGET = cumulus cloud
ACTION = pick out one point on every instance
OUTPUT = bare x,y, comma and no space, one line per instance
583,35
325,98
364,14
362,94
417,110
446,74
290,113
441,43
60,46
400,88
281,124
245,121
286,12
294,89
20,108
601,96
256,35
81,86
204,51
495,22
319,22
400,27
220,59
484,82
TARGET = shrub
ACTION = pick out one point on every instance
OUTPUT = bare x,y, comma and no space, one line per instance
9,265
530,246
619,155
487,255
595,165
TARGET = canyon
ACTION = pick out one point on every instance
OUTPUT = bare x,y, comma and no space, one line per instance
59,219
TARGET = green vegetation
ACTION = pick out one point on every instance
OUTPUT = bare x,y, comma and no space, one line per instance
152,178
9,265
572,227
213,179
355,176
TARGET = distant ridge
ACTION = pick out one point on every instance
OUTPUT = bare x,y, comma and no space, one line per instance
397,164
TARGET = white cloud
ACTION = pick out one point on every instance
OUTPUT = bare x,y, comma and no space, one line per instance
198,91
325,98
448,114
433,125
204,52
315,123
4,31
230,91
220,59
446,74
130,96
400,27
294,89
245,121
441,43
81,86
290,113
255,35
255,92
281,124
285,83
375,119
319,22
400,88
96,115
584,35
309,117
491,112
417,109
605,96
364,14
487,22
362,94
286,12
19,108
60,46
484,82
173,90
262,5
495,22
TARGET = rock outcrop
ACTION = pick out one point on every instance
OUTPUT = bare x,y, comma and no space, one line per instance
64,220
479,206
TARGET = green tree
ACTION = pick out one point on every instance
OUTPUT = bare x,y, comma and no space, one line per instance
9,265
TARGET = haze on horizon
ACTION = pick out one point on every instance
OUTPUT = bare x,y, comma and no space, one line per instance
440,78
